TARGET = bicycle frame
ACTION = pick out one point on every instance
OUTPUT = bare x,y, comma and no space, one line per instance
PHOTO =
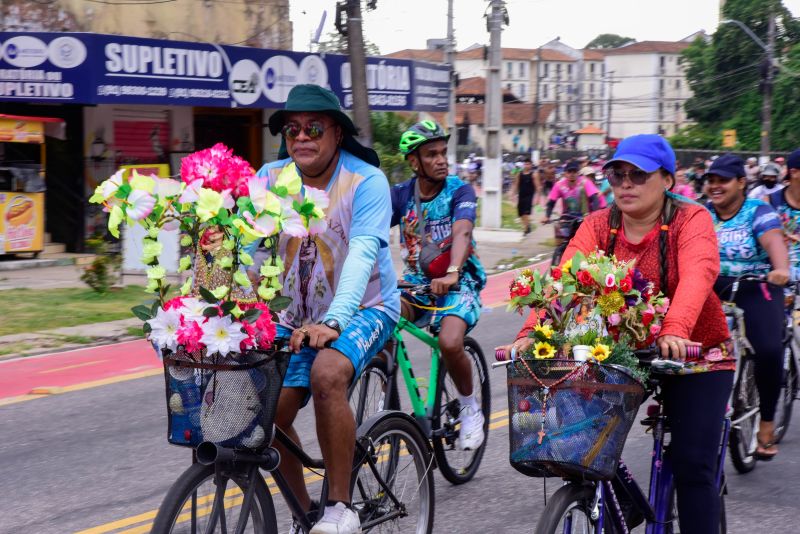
656,508
422,408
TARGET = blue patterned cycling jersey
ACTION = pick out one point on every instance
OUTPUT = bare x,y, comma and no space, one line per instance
790,217
739,249
455,201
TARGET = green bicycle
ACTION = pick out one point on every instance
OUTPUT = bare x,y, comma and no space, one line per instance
437,408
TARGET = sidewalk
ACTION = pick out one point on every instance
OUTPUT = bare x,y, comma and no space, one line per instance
499,251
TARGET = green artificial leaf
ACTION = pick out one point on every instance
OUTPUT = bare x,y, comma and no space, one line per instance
154,308
142,312
208,296
146,328
245,204
252,315
123,191
279,303
211,312
227,307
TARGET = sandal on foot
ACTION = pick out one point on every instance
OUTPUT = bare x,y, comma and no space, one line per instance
765,456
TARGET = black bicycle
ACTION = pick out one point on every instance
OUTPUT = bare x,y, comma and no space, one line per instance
224,490
564,229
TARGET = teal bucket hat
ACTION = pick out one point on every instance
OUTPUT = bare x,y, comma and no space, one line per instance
313,98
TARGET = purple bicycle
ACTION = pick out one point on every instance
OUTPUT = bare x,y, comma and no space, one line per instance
594,506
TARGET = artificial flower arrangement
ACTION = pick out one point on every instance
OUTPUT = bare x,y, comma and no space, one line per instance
593,304
218,310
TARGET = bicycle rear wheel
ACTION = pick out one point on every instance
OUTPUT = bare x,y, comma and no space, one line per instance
202,501
368,395
459,466
569,511
392,484
746,417
783,410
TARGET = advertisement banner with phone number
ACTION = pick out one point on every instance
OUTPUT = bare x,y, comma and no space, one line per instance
87,68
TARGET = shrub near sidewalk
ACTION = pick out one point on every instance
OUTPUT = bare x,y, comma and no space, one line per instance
33,310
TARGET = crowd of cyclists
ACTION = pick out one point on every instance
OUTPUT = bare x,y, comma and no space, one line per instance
690,231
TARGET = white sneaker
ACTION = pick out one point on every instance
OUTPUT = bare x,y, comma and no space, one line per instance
338,519
470,435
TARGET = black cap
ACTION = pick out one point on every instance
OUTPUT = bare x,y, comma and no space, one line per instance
793,161
572,166
727,166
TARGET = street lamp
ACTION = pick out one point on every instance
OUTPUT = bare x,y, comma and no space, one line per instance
748,31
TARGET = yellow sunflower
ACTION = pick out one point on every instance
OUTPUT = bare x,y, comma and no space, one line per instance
600,352
545,329
567,266
544,350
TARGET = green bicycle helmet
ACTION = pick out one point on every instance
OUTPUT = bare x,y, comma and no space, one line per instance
419,134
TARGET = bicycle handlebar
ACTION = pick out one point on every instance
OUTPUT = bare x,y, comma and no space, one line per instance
423,289
647,357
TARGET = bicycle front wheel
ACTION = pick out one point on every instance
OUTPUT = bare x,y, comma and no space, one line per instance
371,392
789,386
459,466
392,485
202,501
745,418
569,511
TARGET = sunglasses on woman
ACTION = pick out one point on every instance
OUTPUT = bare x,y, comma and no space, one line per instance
314,130
636,176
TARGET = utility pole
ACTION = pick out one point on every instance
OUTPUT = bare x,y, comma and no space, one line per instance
766,105
558,97
358,71
537,101
492,175
610,103
450,56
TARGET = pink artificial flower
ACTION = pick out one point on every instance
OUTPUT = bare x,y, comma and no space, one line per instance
663,307
248,342
218,169
614,319
189,336
174,303
264,328
655,329
610,280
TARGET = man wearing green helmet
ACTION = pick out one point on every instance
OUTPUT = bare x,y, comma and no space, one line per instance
440,252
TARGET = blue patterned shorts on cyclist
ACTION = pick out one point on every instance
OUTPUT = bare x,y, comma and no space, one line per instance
365,335
464,304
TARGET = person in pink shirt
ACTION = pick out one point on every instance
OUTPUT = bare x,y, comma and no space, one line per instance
682,186
578,194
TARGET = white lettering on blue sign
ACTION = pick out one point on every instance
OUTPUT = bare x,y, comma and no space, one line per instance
155,60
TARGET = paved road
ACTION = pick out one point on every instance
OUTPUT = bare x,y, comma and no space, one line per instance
96,461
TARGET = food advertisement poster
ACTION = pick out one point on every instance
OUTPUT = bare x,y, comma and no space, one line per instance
22,222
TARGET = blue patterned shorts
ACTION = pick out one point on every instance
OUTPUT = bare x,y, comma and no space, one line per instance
365,335
464,304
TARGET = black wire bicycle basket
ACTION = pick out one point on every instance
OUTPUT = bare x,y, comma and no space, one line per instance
228,400
570,419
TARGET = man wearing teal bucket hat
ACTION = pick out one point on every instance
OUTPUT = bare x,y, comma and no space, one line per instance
341,282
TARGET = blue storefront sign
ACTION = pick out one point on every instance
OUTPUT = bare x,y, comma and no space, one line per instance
87,68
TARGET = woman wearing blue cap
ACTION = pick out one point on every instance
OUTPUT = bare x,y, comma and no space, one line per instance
750,237
675,247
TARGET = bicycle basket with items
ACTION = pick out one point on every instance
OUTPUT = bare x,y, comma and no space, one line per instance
573,398
222,370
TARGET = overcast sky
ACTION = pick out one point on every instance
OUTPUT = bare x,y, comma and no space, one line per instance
399,24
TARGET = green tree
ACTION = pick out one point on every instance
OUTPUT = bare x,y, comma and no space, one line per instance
609,40
387,127
725,75
336,43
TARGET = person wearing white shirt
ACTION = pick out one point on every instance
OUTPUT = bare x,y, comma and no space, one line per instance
769,182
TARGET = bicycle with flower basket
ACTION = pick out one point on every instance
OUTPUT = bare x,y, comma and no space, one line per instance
573,397
223,369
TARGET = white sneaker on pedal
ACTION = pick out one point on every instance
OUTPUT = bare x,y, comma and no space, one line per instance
470,435
338,519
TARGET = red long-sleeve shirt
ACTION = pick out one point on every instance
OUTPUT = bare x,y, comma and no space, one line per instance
695,311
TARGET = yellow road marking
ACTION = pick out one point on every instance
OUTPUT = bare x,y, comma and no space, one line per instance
502,420
71,367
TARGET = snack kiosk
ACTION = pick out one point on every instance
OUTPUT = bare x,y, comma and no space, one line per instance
22,183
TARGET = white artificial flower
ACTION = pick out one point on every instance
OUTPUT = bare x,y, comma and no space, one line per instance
190,194
165,327
140,204
262,198
192,310
222,335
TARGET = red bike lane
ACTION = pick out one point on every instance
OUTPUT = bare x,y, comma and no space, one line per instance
37,376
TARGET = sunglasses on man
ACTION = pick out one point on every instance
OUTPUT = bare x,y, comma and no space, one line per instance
313,130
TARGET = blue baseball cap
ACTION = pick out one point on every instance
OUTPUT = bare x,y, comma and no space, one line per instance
727,166
649,152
